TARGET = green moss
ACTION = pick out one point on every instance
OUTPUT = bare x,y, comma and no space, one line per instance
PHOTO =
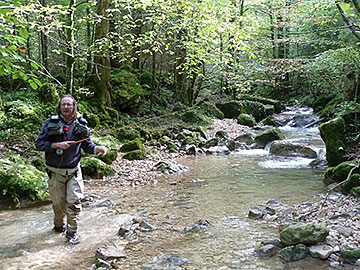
211,110
195,116
136,154
269,135
355,191
268,121
246,120
95,168
135,144
340,172
22,180
127,91
111,155
231,109
254,108
332,133
350,255
127,134
353,181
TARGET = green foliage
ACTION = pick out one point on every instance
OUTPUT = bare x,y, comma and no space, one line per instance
19,179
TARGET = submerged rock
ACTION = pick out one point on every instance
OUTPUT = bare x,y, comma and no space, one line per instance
267,250
290,149
199,226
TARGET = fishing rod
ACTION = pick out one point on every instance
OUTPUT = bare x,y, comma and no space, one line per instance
60,151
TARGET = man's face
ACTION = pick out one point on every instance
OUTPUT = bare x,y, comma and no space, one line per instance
67,107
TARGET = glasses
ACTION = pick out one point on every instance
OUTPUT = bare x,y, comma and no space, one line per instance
67,105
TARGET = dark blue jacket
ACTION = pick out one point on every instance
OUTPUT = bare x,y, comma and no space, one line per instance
71,156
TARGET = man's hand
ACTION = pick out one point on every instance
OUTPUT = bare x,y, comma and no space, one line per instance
62,145
101,150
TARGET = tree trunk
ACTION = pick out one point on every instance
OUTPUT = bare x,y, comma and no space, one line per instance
102,66
136,31
179,72
70,43
43,44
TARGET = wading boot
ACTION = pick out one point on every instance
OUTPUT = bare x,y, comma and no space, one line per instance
60,229
73,238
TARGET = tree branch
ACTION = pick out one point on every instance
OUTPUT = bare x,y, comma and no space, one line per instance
351,25
357,5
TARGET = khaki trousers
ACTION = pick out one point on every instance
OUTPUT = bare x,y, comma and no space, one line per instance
66,189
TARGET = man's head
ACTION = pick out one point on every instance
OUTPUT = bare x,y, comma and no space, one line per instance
67,107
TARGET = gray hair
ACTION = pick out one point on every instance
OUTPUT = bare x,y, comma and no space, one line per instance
57,109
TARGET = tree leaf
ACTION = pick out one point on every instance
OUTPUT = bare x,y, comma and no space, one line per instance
23,33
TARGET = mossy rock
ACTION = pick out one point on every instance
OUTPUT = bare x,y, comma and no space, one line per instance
268,121
107,141
231,109
268,136
111,155
95,168
126,134
48,92
332,133
340,172
277,105
254,108
246,120
211,110
19,179
321,101
194,116
127,92
350,255
355,191
353,181
135,155
135,144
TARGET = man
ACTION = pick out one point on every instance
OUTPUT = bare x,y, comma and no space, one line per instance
62,137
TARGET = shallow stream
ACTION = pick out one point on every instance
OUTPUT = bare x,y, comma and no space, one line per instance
220,189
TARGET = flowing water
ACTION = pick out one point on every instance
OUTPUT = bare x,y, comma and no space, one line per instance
220,189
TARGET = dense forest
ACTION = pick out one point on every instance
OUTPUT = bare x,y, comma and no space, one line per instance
128,61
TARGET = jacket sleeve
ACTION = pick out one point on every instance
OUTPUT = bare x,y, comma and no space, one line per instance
42,142
88,146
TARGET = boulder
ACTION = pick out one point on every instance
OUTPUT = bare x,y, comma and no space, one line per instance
231,109
268,136
110,252
247,138
294,253
199,226
246,120
320,251
135,144
300,233
135,155
332,133
267,250
95,168
340,172
211,110
354,181
350,255
290,149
